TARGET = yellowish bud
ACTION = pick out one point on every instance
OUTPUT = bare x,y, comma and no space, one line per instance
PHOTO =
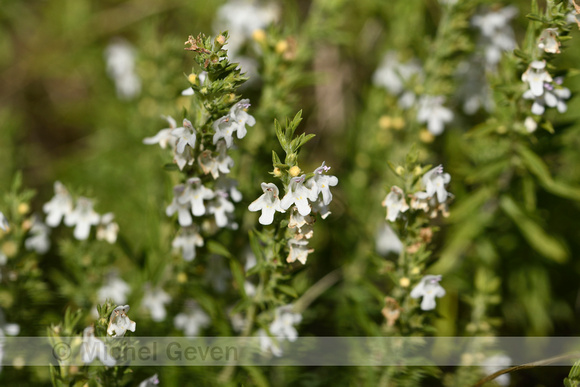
221,40
426,136
277,172
281,46
398,123
294,171
26,225
23,208
385,122
9,249
417,171
404,282
400,170
182,278
259,36
415,271
192,78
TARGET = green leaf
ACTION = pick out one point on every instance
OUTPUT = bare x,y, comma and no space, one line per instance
305,138
219,249
535,17
471,204
275,159
258,378
238,274
288,290
171,167
543,243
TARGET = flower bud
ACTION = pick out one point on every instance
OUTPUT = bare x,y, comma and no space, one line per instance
281,46
192,78
277,172
404,282
259,35
294,171
23,208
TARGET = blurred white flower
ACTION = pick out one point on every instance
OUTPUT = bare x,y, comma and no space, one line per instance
59,206
283,325
92,348
82,217
185,136
552,97
181,204
298,250
394,76
150,382
268,203
428,288
195,194
535,76
496,363
223,161
107,229
114,288
386,241
435,181
432,112
187,239
267,344
548,41
192,320
164,137
230,186
119,322
220,207
239,115
497,36
530,124
120,58
38,239
155,300
395,203
4,225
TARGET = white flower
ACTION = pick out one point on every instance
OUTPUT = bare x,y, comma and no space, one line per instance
4,225
193,320
185,136
497,36
150,382
268,203
496,363
180,204
535,76
107,229
283,325
196,193
223,161
119,322
114,289
209,164
298,194
183,158
250,259
267,344
428,288
386,241
120,57
395,203
321,183
220,207
164,137
224,129
249,288
239,115
187,239
552,97
230,186
298,250
59,206
82,217
318,207
92,348
548,41
155,300
432,112
435,181
38,239
530,124
394,75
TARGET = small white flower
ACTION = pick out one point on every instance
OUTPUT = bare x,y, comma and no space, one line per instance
283,325
59,206
230,186
150,382
497,36
268,203
535,76
187,240
321,183
530,124
250,259
38,239
267,344
393,74
395,203
432,112
120,57
386,241
239,115
119,322
193,320
298,250
298,194
180,204
183,158
107,229
92,348
435,181
164,137
155,300
114,289
552,97
209,164
4,225
428,288
548,41
496,363
223,161
185,136
82,217
220,207
196,194
224,128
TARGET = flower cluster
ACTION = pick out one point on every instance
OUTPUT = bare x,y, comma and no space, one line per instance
195,198
396,77
192,320
120,58
303,197
80,215
282,328
496,34
432,200
544,90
